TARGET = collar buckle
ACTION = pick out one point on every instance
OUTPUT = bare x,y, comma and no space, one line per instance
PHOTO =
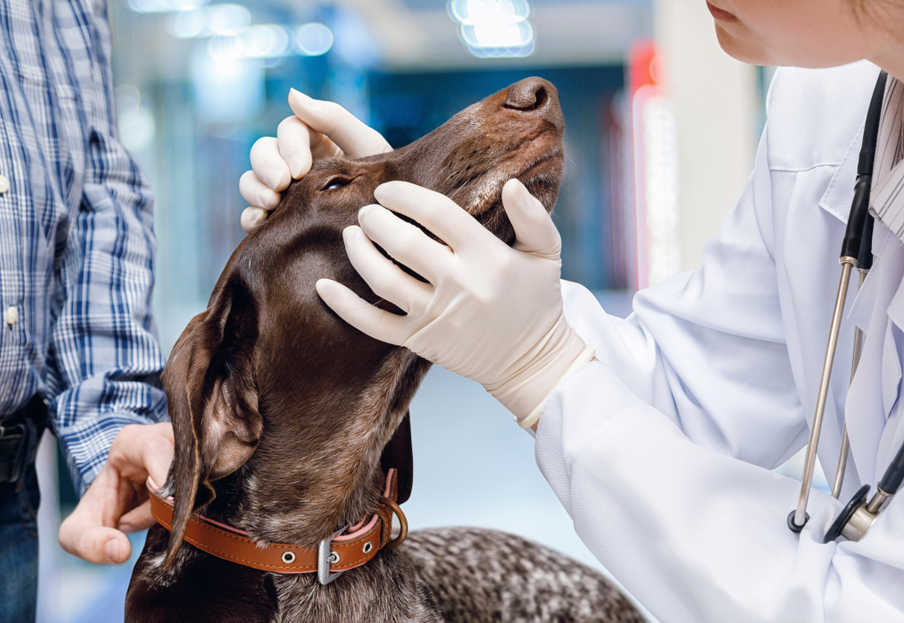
326,557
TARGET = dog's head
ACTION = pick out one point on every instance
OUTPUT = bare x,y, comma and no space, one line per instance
267,356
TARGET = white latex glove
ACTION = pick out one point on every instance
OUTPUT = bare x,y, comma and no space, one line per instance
318,129
490,312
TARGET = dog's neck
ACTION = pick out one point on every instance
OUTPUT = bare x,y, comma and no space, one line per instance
304,483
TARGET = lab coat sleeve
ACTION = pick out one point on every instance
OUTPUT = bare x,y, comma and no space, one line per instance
697,535
707,347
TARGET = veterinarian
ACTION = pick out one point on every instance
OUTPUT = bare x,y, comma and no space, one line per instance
77,348
660,433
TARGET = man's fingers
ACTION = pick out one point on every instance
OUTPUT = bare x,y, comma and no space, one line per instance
294,141
405,242
385,278
373,321
93,543
268,164
140,451
256,192
534,230
439,214
157,452
139,518
353,136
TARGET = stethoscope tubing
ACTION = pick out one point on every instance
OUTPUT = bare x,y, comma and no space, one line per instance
856,252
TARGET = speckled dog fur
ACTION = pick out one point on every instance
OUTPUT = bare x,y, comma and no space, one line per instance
281,411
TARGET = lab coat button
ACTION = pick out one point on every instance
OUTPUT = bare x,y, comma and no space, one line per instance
12,315
4,184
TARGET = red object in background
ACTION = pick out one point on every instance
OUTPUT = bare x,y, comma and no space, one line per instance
622,142
644,67
644,76
654,158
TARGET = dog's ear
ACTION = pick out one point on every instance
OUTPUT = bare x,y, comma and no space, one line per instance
213,404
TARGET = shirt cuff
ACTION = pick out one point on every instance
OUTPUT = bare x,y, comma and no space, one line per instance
86,444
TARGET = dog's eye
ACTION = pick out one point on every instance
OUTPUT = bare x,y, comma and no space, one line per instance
336,182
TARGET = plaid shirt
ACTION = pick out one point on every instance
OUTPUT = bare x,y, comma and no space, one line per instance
76,235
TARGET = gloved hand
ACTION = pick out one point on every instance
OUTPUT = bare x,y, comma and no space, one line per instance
318,129
490,312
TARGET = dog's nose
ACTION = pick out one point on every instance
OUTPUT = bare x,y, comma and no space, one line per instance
533,95
529,95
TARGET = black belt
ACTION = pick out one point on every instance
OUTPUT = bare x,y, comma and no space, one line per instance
19,436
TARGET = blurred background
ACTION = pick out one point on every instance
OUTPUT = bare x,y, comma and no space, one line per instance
661,131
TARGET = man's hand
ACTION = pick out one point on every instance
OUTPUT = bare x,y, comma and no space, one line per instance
117,500
318,129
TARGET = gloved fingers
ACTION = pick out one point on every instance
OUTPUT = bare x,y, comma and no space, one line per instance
353,136
256,193
268,165
439,214
384,277
293,138
534,230
373,321
405,242
322,147
253,218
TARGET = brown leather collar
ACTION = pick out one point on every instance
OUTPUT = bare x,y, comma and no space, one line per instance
349,548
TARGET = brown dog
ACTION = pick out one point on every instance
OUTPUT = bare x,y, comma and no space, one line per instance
281,410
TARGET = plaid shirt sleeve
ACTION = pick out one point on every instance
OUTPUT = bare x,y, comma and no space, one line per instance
105,359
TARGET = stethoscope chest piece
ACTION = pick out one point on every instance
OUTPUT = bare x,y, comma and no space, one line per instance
844,524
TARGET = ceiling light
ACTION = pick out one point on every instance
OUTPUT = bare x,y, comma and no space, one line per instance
161,6
314,39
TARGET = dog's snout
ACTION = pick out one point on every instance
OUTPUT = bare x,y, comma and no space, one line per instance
530,94
535,97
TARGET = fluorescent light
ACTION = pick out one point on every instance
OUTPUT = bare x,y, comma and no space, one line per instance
314,38
227,19
161,6
188,24
494,28
258,41
498,35
472,12
224,48
264,41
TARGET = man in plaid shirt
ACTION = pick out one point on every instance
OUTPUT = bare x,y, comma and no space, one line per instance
78,352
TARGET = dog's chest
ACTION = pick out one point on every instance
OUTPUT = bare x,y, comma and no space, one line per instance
380,592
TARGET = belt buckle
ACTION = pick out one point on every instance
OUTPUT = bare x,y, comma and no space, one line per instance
326,557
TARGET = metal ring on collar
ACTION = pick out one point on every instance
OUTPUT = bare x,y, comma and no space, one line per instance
403,522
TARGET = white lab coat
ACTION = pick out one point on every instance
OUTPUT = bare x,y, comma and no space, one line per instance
663,451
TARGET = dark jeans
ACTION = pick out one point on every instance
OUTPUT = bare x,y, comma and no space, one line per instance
19,549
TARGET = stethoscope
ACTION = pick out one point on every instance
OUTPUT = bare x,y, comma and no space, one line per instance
856,252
